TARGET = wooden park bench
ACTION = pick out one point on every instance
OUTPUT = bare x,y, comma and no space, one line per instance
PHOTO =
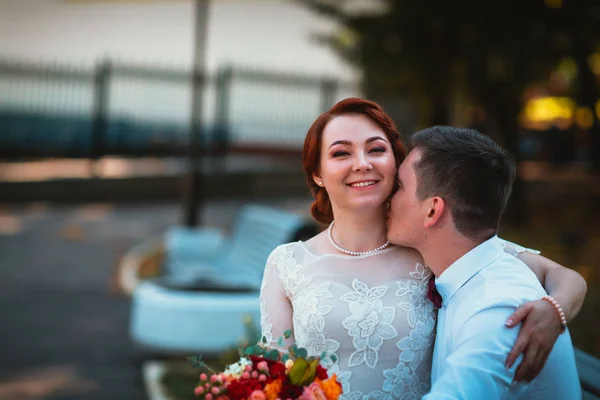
199,305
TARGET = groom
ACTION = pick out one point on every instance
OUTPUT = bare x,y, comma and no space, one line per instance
454,186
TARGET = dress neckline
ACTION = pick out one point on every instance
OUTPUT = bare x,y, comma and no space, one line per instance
346,256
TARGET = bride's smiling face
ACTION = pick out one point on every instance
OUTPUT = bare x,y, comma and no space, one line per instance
357,165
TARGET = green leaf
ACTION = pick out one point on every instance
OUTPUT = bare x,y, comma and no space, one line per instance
287,334
297,372
280,341
285,357
196,361
293,349
249,350
301,353
272,355
264,339
303,372
324,354
333,358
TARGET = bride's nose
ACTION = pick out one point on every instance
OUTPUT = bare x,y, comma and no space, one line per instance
361,163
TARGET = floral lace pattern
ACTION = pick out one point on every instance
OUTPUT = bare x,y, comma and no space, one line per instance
265,324
370,323
358,322
402,382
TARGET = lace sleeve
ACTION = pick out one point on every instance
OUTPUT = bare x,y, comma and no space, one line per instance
275,307
514,249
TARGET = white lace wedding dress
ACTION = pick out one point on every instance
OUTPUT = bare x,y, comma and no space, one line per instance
371,312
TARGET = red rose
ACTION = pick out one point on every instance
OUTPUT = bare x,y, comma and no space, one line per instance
238,390
322,373
241,389
289,391
277,370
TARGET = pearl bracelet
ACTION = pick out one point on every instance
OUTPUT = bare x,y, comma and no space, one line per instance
559,310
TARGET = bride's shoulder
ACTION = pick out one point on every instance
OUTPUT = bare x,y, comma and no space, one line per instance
316,244
295,249
407,255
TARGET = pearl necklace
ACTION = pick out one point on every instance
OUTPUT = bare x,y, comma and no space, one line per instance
349,252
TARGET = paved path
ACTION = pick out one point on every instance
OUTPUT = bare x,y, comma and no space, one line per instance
63,331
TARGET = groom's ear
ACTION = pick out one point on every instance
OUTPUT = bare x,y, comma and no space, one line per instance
437,206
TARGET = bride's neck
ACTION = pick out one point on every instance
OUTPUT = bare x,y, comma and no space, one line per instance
360,232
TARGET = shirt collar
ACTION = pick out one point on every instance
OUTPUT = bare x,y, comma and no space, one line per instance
463,269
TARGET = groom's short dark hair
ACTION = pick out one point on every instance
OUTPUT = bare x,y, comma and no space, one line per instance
472,173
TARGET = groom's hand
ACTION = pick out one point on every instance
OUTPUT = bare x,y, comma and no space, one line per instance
541,328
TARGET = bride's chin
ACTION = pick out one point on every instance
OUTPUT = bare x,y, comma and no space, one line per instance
369,206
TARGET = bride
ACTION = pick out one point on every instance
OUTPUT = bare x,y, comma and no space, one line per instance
351,294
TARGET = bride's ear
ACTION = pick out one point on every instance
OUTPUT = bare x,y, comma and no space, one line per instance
318,180
437,206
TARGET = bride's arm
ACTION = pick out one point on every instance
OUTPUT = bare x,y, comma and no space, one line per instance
541,322
275,307
566,286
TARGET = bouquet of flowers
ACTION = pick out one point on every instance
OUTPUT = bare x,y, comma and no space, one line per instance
266,374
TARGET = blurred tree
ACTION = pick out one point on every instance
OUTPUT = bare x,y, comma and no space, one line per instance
488,51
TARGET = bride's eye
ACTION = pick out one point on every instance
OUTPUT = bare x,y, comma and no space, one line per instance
340,153
377,150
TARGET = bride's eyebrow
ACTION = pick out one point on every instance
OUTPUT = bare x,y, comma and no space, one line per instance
349,143
374,138
344,142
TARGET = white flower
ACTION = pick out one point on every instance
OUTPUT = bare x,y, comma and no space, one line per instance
237,369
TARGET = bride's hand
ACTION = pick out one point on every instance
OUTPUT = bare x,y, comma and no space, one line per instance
541,328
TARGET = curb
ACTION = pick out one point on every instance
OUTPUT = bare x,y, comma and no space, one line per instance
152,372
130,263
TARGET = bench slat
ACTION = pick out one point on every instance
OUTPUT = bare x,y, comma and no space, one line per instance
588,368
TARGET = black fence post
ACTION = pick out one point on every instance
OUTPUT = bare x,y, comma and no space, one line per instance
220,140
100,114
328,90
194,179
194,190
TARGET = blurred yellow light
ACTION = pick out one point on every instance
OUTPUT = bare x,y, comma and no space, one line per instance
553,3
584,117
594,63
598,109
548,109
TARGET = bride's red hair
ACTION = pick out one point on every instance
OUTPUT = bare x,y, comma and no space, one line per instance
311,153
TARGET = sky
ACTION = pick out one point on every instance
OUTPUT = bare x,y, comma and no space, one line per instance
263,34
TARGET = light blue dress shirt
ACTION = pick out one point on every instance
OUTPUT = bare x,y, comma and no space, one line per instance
479,292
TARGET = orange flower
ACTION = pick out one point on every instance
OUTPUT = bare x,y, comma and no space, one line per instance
330,387
272,390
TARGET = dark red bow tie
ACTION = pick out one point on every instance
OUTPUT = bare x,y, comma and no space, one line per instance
433,294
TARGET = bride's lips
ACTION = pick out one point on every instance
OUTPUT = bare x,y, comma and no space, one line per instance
364,184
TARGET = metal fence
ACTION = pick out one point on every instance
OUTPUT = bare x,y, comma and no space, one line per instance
117,109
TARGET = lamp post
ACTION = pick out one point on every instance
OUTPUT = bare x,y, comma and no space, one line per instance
194,187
